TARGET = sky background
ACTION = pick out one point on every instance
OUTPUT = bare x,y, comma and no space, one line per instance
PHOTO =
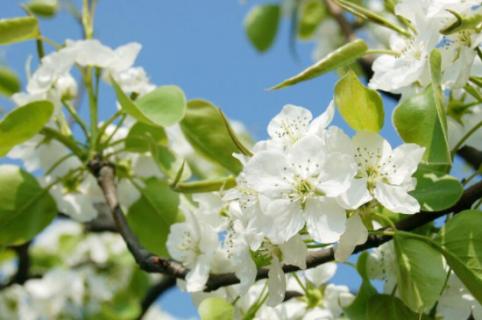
201,46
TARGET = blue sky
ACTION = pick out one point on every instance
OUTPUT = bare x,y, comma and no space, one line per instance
200,46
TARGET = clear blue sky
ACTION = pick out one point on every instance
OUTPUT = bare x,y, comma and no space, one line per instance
200,45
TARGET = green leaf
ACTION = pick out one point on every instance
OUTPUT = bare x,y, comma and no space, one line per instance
420,273
436,191
164,106
43,8
18,29
417,121
142,135
360,107
261,25
168,162
462,23
204,127
462,244
23,123
25,207
311,13
152,215
383,307
216,308
206,185
340,57
372,16
9,82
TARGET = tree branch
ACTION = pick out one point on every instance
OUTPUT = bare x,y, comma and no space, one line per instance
23,266
155,292
472,156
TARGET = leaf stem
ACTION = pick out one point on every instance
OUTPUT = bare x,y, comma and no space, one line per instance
466,136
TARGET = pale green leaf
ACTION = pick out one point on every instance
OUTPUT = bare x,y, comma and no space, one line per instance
336,59
360,107
141,136
216,308
384,307
43,8
18,29
23,123
25,207
9,82
310,15
261,25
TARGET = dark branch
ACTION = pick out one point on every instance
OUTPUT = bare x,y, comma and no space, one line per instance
472,156
23,265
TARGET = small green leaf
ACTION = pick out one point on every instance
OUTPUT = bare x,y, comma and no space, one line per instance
261,25
43,8
141,136
336,59
416,120
436,191
18,29
164,106
205,129
25,207
23,123
420,273
311,13
152,215
9,82
206,185
383,307
216,308
462,23
360,107
462,241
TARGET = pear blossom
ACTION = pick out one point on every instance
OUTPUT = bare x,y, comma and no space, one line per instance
456,302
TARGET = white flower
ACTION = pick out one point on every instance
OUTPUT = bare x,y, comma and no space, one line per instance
382,264
457,303
321,274
194,243
300,185
355,233
383,174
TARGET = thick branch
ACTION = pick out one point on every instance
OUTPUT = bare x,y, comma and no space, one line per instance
23,266
472,156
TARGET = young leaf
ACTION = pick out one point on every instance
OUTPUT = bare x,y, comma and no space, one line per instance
416,120
462,244
216,308
311,13
261,25
18,29
436,191
164,106
141,136
9,82
336,59
25,207
420,273
206,185
205,129
43,8
152,215
23,123
360,107
383,307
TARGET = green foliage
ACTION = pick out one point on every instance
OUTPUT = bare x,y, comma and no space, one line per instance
164,106
141,136
9,82
311,13
152,215
383,307
420,273
216,308
206,185
417,121
18,29
343,56
462,244
43,8
436,190
360,107
23,123
204,127
25,207
261,25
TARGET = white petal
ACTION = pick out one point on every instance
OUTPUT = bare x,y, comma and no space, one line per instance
276,283
325,220
245,269
371,147
125,56
198,276
321,274
396,198
404,162
294,252
306,156
320,123
355,233
356,195
290,124
285,219
336,174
